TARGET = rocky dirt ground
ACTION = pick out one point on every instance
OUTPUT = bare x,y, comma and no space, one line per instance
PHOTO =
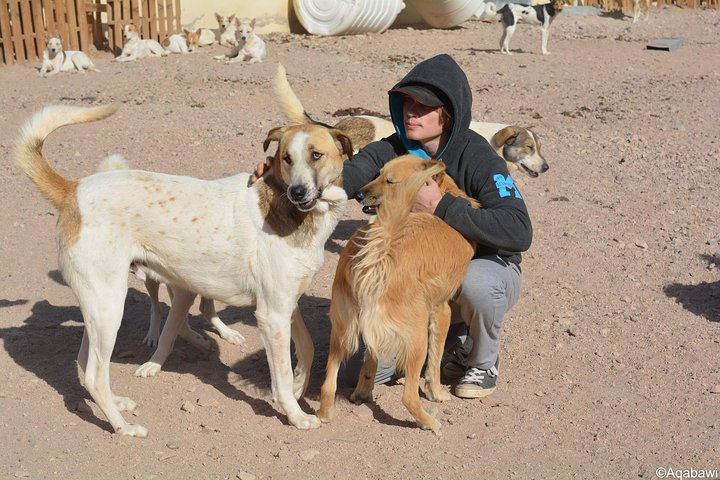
610,360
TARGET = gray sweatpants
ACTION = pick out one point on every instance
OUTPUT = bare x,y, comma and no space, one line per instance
490,288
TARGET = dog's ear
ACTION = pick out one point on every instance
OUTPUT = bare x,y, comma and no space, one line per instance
274,135
238,22
232,17
506,136
218,17
252,24
198,31
345,142
434,164
47,37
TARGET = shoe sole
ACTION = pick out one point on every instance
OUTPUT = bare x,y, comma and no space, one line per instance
473,392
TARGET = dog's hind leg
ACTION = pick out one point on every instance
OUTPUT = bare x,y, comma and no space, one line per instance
366,380
505,39
275,325
207,308
152,286
101,301
438,328
182,300
304,350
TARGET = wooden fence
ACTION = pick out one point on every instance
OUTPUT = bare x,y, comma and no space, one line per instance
82,24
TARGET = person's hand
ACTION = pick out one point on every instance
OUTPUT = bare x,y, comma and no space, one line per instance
428,197
260,170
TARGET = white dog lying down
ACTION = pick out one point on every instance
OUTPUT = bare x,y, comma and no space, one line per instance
135,47
251,48
56,60
226,240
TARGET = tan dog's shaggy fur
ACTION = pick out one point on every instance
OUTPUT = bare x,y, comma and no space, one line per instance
392,285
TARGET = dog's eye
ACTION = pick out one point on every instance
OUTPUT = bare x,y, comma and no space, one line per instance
286,159
390,181
316,156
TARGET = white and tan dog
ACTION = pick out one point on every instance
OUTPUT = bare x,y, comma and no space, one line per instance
152,285
239,244
519,146
227,28
135,47
252,48
56,60
638,7
179,43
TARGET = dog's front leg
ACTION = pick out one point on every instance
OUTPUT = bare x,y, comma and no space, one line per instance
545,34
304,350
275,327
181,302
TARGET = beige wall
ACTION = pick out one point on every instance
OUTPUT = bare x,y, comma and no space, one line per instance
271,15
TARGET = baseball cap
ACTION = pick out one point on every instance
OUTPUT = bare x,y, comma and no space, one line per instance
421,94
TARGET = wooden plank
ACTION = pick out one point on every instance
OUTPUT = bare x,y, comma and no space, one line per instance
178,23
28,32
84,32
117,26
147,30
37,14
61,20
6,33
17,32
163,31
71,22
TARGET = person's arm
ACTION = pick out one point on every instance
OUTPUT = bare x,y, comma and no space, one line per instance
365,165
502,222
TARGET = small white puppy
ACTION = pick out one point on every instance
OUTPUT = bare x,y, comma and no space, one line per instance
135,47
252,48
227,27
56,60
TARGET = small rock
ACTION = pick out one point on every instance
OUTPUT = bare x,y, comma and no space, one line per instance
472,436
245,475
208,402
172,445
362,411
715,389
640,244
308,455
187,406
21,474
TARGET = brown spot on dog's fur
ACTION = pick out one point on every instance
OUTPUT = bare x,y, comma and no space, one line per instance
360,131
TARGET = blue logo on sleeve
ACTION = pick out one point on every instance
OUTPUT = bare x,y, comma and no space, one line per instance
506,186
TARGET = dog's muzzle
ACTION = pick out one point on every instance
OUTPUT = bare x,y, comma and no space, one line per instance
298,195
367,209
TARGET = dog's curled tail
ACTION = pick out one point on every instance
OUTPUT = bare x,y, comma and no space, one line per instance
113,162
28,152
290,104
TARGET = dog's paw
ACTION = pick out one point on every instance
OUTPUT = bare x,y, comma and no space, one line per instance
148,369
232,336
132,430
305,421
150,340
124,404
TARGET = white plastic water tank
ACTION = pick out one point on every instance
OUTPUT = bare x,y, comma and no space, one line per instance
445,13
347,17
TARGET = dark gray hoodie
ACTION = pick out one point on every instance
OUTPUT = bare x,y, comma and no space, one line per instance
502,225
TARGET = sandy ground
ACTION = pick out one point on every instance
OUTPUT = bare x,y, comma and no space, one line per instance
610,360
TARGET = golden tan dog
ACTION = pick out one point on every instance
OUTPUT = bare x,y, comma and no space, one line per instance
392,285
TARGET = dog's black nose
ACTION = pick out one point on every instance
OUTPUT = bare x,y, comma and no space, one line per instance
545,167
360,196
298,192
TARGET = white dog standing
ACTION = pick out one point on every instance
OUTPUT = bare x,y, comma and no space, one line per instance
252,48
136,47
56,60
227,28
240,244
